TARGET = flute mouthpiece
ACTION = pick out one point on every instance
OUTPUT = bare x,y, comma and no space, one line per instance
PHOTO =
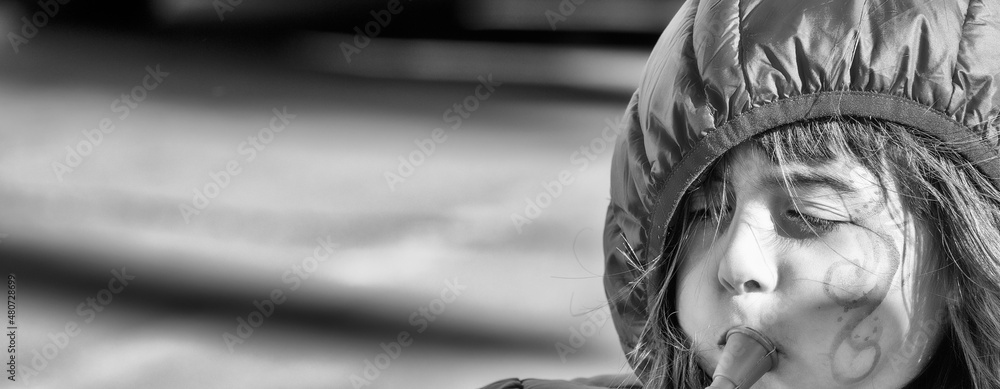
745,358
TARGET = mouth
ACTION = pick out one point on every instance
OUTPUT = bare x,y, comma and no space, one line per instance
761,337
747,355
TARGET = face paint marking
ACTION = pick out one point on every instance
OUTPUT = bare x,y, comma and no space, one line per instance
855,351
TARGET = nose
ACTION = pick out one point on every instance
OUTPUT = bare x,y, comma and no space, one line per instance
746,260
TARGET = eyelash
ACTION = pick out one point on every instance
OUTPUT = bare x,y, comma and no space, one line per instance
812,222
808,222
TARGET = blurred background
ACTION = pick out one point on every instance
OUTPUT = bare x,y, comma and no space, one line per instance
426,139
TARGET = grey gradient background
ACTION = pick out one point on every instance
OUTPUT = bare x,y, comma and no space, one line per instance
324,175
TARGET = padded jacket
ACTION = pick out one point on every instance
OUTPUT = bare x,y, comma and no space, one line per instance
726,70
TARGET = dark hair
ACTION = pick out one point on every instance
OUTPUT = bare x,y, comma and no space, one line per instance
957,203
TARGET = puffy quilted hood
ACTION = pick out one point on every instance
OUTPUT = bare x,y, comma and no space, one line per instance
725,70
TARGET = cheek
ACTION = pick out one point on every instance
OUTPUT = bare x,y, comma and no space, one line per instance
919,309
911,336
691,292
856,283
696,297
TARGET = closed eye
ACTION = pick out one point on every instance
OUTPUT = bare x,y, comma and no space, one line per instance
812,223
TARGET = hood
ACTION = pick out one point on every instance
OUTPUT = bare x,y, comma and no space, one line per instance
726,70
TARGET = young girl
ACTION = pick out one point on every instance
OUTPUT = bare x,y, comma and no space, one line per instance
823,172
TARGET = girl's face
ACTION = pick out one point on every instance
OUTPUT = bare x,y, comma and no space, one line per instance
827,267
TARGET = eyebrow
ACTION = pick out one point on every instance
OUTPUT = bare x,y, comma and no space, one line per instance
797,179
808,179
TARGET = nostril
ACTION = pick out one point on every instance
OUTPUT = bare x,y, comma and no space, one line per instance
751,286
